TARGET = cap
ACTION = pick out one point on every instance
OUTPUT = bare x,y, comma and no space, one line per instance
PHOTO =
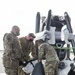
31,34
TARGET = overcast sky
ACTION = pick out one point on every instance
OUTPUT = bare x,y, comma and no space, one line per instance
23,13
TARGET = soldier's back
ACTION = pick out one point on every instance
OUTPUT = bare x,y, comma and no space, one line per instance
11,46
52,61
50,52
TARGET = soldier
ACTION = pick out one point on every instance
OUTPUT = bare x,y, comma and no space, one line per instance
52,61
12,51
27,46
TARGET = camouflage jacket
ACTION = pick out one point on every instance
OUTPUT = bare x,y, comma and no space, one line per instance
11,45
50,53
27,47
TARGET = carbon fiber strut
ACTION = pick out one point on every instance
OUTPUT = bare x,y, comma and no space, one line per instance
37,27
68,24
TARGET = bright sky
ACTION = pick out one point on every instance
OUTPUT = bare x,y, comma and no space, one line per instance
23,13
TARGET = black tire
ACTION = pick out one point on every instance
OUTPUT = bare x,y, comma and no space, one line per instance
38,69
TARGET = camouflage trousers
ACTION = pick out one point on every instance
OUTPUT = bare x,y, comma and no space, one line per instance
9,71
11,66
21,72
51,68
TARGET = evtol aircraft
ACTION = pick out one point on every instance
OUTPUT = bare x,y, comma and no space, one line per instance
49,29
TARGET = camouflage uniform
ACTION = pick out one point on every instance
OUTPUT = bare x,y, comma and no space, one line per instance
51,65
27,47
12,54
